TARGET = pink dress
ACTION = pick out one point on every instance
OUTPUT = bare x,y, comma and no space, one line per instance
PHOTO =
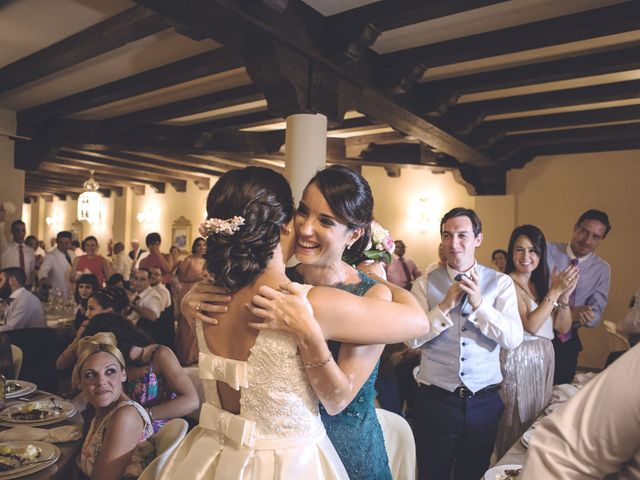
186,344
93,265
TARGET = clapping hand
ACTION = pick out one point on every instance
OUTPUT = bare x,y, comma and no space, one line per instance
471,286
564,282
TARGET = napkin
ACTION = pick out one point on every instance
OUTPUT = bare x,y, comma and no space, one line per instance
67,433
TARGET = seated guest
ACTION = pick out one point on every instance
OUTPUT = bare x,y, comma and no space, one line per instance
117,280
162,330
86,286
105,300
24,310
155,258
527,370
146,303
595,434
155,378
119,423
90,262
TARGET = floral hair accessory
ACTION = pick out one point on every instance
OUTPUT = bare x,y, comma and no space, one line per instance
381,245
218,226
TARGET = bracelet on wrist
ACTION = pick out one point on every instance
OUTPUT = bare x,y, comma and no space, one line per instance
550,300
317,365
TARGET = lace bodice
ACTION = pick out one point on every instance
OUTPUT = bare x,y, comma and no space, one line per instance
275,394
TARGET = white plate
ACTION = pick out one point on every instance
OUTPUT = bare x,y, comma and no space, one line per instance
27,388
493,473
49,455
67,410
525,439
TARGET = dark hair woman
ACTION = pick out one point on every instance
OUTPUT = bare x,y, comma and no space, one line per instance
543,303
86,286
249,238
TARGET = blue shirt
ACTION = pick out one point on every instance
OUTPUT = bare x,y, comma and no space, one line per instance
594,280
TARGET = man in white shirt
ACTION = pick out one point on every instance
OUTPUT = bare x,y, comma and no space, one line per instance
473,313
24,310
56,266
156,284
146,303
595,434
121,263
17,254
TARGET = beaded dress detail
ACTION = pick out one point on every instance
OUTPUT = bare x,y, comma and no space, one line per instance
278,432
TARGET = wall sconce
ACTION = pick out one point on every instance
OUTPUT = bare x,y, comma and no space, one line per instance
150,218
423,213
54,221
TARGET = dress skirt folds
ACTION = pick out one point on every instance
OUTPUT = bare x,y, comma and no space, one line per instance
526,388
206,454
278,433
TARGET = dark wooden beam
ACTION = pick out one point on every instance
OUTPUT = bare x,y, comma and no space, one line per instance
485,180
463,118
301,29
190,106
526,155
125,27
602,62
594,23
487,133
511,144
198,66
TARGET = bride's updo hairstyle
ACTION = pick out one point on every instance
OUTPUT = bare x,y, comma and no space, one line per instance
349,196
263,199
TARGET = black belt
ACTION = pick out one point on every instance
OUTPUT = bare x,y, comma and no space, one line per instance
464,392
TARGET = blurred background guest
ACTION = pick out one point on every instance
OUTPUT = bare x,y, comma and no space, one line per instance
90,262
154,258
120,262
402,271
56,267
18,254
23,309
86,286
190,271
499,260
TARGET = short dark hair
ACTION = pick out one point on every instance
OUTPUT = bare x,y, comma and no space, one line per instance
598,216
144,270
114,279
495,252
17,222
17,273
63,234
118,247
153,237
85,279
463,212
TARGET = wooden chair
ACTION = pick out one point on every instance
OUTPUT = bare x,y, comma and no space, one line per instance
166,441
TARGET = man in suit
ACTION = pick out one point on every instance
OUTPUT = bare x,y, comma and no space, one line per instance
17,254
473,313
589,299
24,310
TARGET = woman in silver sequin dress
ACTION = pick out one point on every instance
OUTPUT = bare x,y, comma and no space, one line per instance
544,307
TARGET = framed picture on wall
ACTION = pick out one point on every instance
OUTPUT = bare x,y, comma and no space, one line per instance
181,233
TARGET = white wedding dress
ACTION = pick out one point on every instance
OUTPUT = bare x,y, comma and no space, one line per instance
278,433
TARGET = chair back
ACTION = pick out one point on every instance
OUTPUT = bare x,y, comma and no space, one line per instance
400,445
166,441
617,341
16,354
40,352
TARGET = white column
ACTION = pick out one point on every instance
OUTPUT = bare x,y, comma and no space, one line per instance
305,149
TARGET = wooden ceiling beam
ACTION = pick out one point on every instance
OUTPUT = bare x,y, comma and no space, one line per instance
489,132
600,63
64,179
463,118
128,26
190,106
391,14
585,25
130,164
302,31
181,71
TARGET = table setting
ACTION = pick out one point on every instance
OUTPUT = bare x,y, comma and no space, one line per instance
40,433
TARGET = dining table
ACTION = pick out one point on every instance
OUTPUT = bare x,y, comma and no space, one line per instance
62,469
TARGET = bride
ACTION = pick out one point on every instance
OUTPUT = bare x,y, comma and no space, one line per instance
260,419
